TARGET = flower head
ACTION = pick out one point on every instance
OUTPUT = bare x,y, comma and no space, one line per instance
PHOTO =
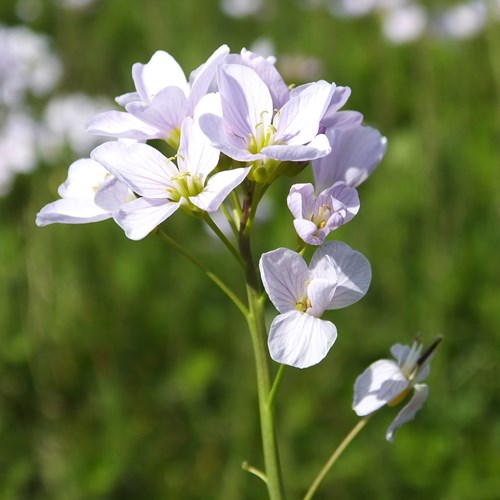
317,216
388,382
164,186
336,277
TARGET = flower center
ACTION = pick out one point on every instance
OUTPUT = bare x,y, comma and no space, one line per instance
321,217
264,135
185,186
303,304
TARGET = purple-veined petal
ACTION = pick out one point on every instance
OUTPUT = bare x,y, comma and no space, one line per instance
112,194
139,217
308,232
344,119
165,112
352,268
246,101
161,71
284,275
409,411
196,154
204,76
124,99
320,293
355,154
71,211
121,124
231,145
297,122
144,169
317,148
300,340
218,187
301,200
347,195
379,384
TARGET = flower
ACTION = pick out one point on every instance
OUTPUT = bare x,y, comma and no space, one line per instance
356,152
388,382
163,186
89,194
162,100
316,217
249,129
337,277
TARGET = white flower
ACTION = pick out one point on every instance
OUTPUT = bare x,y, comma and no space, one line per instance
388,382
336,277
89,194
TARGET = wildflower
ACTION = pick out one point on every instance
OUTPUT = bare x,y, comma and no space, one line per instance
388,382
249,129
89,194
163,186
162,100
316,217
336,277
356,152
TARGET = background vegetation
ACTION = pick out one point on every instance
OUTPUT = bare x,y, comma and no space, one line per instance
125,374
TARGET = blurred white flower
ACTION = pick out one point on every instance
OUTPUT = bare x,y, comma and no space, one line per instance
18,153
27,65
241,8
404,24
463,20
76,4
64,122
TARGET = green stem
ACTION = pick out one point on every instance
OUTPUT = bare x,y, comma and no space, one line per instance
212,276
256,325
223,238
276,386
335,455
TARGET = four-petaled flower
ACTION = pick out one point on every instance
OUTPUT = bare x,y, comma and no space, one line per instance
388,382
163,186
336,277
316,217
250,129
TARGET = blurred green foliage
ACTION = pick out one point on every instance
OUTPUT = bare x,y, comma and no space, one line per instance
125,374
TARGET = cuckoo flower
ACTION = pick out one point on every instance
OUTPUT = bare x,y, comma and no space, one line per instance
337,277
89,194
316,217
250,129
163,186
163,98
356,152
388,382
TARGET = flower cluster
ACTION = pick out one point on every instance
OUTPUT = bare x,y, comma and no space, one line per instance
234,127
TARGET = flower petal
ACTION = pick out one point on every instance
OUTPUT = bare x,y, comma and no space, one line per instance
301,201
409,411
218,187
246,101
160,72
351,267
284,275
121,124
379,384
317,148
320,293
71,211
309,233
139,217
144,169
300,340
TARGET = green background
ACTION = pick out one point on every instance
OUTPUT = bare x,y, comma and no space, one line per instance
125,374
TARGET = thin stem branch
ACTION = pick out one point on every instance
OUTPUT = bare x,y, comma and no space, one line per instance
223,238
212,276
253,470
335,455
276,386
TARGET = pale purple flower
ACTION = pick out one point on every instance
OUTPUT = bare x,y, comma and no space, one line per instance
163,98
164,186
317,216
89,194
250,129
356,152
337,277
388,382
